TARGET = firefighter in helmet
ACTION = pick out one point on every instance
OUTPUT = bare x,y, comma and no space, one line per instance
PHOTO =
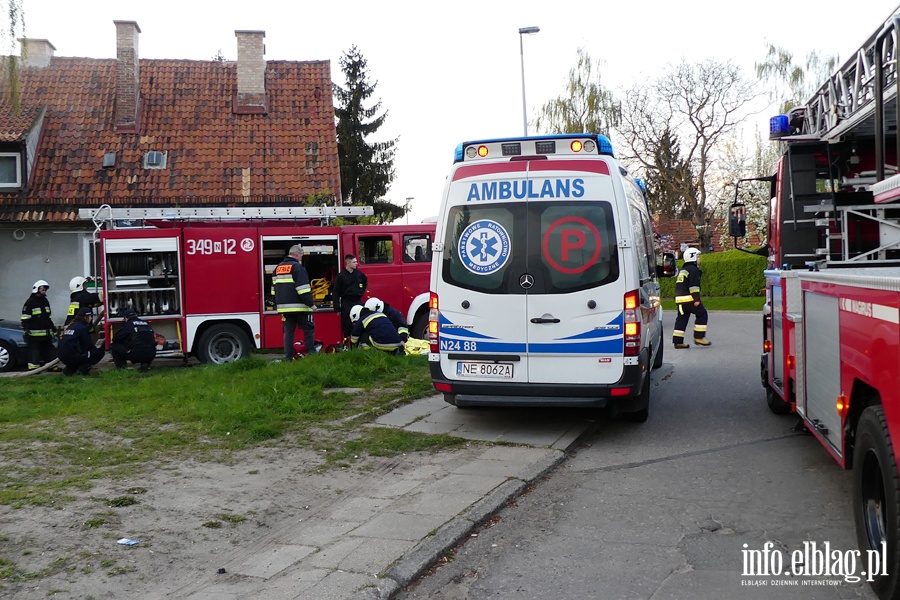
38,325
373,329
81,298
394,315
687,299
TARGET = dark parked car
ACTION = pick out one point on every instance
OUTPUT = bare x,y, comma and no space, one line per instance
13,352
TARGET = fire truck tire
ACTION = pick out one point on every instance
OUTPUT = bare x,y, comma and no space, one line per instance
876,498
776,404
640,416
223,344
420,327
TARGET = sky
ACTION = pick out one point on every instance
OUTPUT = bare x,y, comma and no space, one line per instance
452,71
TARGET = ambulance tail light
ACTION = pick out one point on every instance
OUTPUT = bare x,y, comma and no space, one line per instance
632,323
433,322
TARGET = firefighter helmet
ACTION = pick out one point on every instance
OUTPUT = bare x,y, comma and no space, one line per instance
691,255
355,312
375,305
76,284
39,284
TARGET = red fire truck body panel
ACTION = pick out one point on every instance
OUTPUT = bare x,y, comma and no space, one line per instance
207,290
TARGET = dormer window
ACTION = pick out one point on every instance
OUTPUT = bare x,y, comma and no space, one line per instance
155,160
10,170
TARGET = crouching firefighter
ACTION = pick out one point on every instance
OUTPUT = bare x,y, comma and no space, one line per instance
374,329
687,299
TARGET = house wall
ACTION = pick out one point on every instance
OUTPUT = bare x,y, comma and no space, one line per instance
55,256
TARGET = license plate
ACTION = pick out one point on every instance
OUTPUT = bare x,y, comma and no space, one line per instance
483,369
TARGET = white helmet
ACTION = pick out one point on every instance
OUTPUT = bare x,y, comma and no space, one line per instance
39,284
354,313
76,284
690,255
375,305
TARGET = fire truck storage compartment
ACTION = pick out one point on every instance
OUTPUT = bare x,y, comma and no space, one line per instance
822,365
321,260
143,274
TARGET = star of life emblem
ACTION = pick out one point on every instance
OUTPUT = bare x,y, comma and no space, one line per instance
484,247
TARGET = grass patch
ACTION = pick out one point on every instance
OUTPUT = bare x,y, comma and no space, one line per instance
60,434
753,304
383,441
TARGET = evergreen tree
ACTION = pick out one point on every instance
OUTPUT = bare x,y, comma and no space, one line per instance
668,175
367,169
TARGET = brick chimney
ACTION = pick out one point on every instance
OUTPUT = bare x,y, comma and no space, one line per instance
36,53
251,72
128,76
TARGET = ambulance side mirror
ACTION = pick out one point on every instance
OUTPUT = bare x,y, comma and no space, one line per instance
668,267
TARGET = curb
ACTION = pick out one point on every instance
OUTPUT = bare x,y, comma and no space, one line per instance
418,560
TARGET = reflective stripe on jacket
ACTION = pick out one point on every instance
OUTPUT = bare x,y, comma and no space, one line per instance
292,290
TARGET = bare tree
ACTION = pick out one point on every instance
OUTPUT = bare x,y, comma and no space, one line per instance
791,84
699,104
587,107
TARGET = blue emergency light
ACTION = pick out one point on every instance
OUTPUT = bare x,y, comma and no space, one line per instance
779,127
604,146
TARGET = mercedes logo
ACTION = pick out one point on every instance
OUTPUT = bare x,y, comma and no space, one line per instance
526,281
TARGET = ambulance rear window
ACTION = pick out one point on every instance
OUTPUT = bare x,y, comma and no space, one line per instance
530,248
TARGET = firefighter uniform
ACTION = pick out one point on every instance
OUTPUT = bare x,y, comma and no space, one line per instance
294,301
81,299
376,330
397,320
349,287
38,327
687,292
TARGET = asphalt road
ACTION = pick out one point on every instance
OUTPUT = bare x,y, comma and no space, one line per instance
672,508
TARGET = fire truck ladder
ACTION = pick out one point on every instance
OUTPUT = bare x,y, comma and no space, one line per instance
112,216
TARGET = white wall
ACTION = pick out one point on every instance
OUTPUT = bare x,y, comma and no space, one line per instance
41,253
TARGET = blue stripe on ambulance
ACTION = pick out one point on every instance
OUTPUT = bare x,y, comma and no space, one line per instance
593,341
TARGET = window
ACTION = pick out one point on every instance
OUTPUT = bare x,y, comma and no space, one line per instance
155,160
417,248
10,170
376,250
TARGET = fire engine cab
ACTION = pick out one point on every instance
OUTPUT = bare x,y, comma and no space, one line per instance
203,277
831,324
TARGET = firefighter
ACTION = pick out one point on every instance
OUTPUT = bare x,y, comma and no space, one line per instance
81,298
76,348
134,341
349,287
294,301
396,319
374,329
38,325
687,299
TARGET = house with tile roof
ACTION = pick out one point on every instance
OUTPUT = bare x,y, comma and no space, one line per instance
131,132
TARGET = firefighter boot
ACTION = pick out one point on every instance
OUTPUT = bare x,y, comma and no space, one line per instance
680,346
702,342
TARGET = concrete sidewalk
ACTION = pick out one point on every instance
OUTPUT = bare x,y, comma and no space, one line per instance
400,519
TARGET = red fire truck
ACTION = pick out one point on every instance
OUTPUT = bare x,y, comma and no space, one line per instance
831,324
203,277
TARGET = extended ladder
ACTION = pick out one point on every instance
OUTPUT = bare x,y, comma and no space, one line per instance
108,213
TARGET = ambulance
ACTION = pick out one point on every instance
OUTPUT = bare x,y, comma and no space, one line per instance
544,278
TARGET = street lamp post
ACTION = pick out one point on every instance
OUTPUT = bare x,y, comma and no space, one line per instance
406,206
523,31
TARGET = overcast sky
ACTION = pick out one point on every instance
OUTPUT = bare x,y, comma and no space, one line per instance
450,72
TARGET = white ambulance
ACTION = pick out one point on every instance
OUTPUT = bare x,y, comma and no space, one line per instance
544,288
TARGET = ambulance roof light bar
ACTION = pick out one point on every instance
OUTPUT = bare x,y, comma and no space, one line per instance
579,143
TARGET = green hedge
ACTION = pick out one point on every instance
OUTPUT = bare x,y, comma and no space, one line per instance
730,273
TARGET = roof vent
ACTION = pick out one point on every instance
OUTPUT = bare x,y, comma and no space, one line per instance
155,160
109,160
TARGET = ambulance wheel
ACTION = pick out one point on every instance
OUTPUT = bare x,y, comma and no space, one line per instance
658,361
222,344
776,404
876,501
641,415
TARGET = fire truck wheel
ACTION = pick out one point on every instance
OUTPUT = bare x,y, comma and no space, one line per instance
223,344
876,492
420,328
776,404
640,416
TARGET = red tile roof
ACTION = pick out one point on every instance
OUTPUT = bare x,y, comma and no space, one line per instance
215,157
